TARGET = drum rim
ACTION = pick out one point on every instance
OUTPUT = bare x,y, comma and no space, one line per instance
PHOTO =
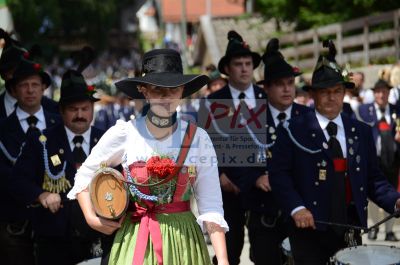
116,174
335,256
369,245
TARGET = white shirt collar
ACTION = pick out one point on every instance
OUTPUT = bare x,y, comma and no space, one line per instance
9,103
250,98
22,116
275,112
71,135
323,121
340,136
379,113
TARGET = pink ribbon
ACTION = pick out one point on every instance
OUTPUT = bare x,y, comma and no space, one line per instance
149,226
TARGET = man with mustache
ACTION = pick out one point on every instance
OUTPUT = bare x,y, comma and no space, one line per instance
45,171
28,83
324,168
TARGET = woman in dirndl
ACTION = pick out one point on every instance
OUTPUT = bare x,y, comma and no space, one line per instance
159,227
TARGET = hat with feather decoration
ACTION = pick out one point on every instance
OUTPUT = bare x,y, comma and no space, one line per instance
327,72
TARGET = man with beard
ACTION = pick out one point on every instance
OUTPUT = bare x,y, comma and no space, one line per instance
44,173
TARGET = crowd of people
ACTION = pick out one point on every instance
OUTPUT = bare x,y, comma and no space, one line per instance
284,159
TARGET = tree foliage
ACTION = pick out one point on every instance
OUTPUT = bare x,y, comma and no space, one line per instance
37,21
313,13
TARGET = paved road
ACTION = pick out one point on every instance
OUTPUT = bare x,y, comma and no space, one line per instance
245,253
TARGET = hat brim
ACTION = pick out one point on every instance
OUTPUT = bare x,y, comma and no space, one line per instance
261,82
77,98
347,85
225,60
375,87
46,79
192,83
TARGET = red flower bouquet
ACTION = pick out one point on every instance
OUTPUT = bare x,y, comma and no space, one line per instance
160,167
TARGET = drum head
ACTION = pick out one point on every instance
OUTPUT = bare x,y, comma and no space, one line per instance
109,194
372,254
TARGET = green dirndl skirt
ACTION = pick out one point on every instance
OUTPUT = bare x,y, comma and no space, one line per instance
182,242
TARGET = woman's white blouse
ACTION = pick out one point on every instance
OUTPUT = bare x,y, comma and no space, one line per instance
132,140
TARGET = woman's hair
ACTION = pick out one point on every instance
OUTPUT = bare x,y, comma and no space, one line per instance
395,75
384,74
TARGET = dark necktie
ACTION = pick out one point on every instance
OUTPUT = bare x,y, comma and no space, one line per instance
338,188
281,117
242,102
79,154
32,121
387,142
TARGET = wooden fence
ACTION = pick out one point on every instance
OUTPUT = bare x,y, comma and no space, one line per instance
358,42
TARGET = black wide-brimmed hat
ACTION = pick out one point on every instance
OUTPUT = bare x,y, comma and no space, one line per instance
275,66
237,48
327,72
27,68
73,85
163,68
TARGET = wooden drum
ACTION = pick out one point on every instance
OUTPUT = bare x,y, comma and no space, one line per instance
108,193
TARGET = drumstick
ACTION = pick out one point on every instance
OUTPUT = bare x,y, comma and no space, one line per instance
341,225
365,229
384,220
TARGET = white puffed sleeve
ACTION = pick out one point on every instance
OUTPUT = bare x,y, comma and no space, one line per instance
207,187
110,149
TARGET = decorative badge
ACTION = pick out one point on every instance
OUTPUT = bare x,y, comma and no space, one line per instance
42,138
55,160
53,183
322,174
108,196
